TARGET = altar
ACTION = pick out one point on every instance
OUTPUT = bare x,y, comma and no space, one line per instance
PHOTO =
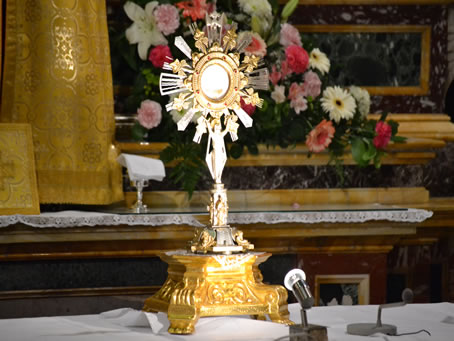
414,322
342,243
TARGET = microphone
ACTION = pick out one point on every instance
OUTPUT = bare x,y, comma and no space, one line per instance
295,281
366,329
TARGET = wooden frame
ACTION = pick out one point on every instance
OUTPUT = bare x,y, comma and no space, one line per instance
18,186
362,280
425,32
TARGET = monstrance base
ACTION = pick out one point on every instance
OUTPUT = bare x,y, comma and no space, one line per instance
219,239
216,285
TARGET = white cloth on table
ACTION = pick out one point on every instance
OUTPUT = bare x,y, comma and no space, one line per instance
142,168
133,325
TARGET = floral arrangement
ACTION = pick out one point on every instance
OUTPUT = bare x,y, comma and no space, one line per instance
302,106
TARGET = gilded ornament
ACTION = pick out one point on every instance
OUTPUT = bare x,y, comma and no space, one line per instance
216,285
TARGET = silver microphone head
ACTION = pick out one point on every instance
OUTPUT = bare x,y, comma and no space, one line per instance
407,296
295,281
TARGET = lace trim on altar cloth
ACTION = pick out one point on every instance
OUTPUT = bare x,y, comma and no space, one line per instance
77,219
409,215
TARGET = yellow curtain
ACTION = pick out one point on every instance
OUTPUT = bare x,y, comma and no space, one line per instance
57,77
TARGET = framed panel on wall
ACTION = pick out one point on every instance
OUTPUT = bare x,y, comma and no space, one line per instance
341,289
384,59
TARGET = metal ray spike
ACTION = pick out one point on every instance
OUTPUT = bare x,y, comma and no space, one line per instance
183,46
193,28
245,42
169,106
184,121
166,66
259,79
170,84
244,117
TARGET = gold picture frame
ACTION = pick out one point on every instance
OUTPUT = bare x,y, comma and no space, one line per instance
361,280
18,185
424,30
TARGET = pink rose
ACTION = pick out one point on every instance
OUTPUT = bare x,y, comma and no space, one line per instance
149,114
158,55
249,108
297,58
312,84
384,132
167,19
289,35
275,76
320,137
257,47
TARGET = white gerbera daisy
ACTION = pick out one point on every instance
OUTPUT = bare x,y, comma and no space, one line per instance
338,103
362,98
318,60
144,31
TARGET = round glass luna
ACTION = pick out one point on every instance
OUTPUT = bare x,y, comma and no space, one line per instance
215,82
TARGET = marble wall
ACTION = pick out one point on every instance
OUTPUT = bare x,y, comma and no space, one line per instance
435,176
450,45
436,16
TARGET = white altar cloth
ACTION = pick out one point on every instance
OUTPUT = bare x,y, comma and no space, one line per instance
161,217
133,325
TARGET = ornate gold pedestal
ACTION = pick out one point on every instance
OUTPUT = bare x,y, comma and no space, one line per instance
216,285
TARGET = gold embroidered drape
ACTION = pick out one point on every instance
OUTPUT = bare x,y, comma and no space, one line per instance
57,77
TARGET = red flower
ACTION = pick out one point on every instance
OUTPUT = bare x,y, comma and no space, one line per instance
158,55
196,9
320,137
384,132
297,58
249,108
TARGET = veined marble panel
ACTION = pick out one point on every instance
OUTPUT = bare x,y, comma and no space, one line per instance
436,16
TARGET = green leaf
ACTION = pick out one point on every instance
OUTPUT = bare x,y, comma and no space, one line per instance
256,25
253,149
288,9
399,139
370,152
377,159
358,150
138,132
383,116
236,150
394,126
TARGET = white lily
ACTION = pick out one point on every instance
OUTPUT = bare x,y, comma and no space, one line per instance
144,30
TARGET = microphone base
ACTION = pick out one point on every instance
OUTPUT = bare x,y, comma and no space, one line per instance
366,329
312,332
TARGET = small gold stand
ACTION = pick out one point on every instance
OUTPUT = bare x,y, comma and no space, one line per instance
216,285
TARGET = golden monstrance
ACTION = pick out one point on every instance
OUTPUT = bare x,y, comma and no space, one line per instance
219,275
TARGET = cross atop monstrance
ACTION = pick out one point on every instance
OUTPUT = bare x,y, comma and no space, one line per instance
212,84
